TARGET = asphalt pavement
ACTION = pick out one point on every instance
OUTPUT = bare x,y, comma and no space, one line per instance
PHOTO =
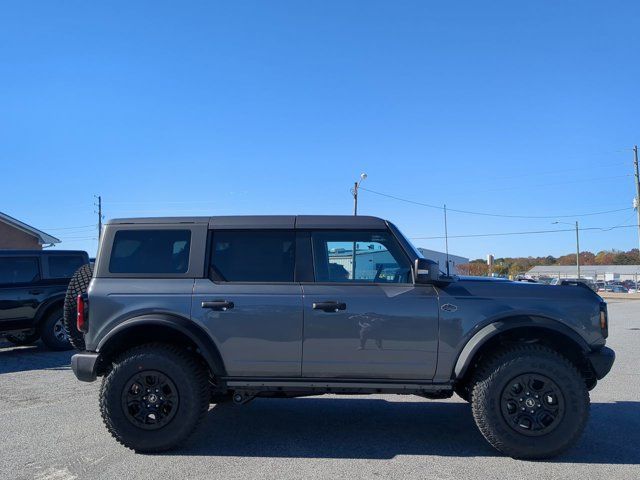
50,429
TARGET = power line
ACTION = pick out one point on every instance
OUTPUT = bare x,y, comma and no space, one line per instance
531,232
564,182
486,214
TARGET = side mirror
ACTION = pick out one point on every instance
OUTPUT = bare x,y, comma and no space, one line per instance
427,271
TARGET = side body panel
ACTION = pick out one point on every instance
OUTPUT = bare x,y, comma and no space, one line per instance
112,301
262,334
385,332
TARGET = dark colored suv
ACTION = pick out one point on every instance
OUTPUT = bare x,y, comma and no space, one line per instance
184,312
33,284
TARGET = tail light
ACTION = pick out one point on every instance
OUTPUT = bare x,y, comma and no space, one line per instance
81,314
604,320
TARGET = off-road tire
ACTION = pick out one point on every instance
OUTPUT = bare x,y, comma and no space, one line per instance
77,286
498,372
53,333
24,338
184,371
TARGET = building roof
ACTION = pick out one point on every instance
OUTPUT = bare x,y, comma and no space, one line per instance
571,269
43,238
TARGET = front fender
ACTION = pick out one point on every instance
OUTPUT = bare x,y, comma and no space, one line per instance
502,325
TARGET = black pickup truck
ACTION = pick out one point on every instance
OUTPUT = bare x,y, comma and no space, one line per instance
33,284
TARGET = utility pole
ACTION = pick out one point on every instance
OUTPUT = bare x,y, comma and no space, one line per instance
637,202
99,212
354,192
577,245
355,198
446,239
577,249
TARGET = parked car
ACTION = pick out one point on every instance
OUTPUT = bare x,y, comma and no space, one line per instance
615,289
184,312
32,289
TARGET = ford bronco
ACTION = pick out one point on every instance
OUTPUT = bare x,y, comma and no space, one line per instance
181,313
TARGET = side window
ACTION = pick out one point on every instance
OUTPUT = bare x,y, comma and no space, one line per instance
150,251
359,257
64,266
19,270
253,255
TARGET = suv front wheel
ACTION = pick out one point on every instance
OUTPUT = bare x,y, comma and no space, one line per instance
530,402
154,397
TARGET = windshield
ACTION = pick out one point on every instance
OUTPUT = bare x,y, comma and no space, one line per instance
405,241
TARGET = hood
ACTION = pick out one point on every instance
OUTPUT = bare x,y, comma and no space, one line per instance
500,288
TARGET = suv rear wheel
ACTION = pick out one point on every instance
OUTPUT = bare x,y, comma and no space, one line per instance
530,402
154,397
53,333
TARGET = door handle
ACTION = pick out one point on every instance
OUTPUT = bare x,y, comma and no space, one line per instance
329,306
219,305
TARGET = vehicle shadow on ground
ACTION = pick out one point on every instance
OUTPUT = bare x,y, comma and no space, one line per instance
32,357
377,429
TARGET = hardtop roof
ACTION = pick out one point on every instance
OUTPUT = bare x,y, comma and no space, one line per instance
262,221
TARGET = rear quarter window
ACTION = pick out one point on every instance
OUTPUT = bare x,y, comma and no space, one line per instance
19,270
150,251
64,266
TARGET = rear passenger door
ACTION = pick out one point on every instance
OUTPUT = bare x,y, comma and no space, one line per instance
21,291
364,316
250,302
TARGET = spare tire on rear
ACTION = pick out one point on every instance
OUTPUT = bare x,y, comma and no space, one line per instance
77,286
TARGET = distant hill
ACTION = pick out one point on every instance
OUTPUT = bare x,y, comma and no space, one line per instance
519,265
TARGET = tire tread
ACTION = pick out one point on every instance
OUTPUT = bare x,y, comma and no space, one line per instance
190,362
492,367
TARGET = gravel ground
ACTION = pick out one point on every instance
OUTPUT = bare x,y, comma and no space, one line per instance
51,429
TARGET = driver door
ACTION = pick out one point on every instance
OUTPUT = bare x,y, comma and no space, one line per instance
363,315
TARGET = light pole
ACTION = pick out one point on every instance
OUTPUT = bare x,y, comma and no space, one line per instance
577,244
354,192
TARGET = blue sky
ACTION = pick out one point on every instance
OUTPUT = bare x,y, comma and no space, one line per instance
269,107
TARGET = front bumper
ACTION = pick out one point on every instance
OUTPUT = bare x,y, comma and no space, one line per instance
602,361
84,366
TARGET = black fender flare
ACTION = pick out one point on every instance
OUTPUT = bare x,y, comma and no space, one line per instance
206,346
46,306
502,325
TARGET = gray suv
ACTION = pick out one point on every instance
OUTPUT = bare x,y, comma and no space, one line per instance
185,312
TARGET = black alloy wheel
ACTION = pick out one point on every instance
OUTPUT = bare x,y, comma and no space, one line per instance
532,404
150,399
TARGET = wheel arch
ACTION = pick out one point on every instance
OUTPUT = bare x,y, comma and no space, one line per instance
528,329
49,306
165,328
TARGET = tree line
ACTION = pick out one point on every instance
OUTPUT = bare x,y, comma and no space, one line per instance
519,265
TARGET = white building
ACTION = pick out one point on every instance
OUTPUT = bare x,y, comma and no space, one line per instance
593,272
370,259
441,258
